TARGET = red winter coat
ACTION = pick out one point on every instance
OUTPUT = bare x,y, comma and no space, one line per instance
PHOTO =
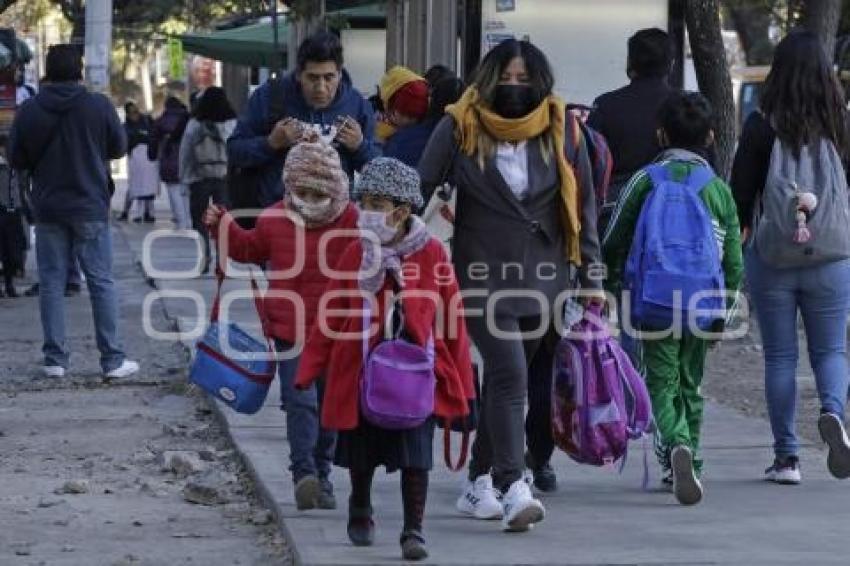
274,240
341,360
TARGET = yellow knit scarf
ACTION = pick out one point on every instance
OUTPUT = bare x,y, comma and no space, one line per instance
471,115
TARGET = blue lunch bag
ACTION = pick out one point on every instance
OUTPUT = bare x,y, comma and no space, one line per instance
241,383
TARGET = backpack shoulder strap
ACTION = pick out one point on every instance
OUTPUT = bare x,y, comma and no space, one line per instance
658,174
700,176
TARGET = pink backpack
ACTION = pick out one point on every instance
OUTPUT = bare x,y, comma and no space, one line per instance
599,400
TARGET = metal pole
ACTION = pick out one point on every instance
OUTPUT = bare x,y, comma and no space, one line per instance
98,46
275,38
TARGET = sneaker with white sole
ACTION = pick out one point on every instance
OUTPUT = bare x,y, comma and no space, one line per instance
686,487
480,500
126,369
832,432
785,471
520,509
54,371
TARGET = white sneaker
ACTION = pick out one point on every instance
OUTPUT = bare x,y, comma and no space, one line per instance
54,371
520,509
479,499
126,369
686,487
831,428
785,471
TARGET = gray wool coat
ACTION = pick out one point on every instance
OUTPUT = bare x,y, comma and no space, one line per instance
507,251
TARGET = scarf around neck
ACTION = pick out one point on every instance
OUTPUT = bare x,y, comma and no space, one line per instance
472,116
378,260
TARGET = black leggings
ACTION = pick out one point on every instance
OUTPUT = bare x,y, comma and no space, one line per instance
414,493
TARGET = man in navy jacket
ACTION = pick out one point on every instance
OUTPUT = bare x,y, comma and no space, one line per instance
66,136
318,96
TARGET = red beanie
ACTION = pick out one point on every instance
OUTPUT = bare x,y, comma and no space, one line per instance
411,99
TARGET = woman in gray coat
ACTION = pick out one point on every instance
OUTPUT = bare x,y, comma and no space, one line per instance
525,232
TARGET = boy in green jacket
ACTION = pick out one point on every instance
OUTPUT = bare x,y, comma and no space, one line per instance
673,365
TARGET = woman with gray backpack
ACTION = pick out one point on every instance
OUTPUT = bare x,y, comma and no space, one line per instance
790,186
203,158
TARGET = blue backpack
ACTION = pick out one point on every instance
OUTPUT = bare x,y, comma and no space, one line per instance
674,263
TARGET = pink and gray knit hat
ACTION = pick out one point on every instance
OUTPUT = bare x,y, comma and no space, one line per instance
317,166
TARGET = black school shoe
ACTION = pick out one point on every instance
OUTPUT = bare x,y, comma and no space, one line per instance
361,527
831,428
544,475
413,545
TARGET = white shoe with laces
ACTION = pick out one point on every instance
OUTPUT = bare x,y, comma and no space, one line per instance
785,471
479,499
520,509
126,369
54,371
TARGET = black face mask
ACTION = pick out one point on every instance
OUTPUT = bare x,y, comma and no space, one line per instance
514,101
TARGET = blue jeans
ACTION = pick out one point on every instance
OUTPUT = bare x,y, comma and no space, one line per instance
92,242
311,447
822,295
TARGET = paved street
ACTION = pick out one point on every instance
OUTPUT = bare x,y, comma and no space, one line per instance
597,516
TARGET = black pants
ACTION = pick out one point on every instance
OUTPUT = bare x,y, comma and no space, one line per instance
538,420
200,196
499,446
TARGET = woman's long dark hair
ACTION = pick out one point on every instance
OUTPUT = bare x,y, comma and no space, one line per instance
802,97
213,106
490,69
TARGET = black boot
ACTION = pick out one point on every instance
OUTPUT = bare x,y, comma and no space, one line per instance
361,527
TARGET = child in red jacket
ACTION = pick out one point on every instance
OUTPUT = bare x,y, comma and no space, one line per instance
409,272
294,239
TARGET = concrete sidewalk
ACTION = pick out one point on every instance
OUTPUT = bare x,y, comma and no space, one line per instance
597,517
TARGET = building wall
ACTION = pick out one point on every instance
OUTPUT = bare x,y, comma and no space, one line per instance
585,40
365,57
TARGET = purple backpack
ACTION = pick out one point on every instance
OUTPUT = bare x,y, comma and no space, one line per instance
398,383
599,400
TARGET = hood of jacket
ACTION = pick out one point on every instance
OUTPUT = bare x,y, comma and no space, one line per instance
59,98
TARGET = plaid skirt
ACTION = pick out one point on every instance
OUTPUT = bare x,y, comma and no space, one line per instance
367,447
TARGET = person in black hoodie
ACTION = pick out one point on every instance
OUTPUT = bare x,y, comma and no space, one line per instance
626,116
65,136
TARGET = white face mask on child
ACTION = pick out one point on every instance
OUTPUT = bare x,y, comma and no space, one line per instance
310,210
376,222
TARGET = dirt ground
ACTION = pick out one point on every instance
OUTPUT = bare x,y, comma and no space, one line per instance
87,477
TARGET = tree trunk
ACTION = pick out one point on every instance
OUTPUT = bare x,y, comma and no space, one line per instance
821,17
703,20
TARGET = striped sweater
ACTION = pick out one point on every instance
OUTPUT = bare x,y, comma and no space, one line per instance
617,240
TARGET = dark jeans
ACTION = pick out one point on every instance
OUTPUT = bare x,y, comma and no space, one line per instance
311,447
200,196
499,446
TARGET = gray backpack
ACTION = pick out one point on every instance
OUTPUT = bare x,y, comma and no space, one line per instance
210,152
818,170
